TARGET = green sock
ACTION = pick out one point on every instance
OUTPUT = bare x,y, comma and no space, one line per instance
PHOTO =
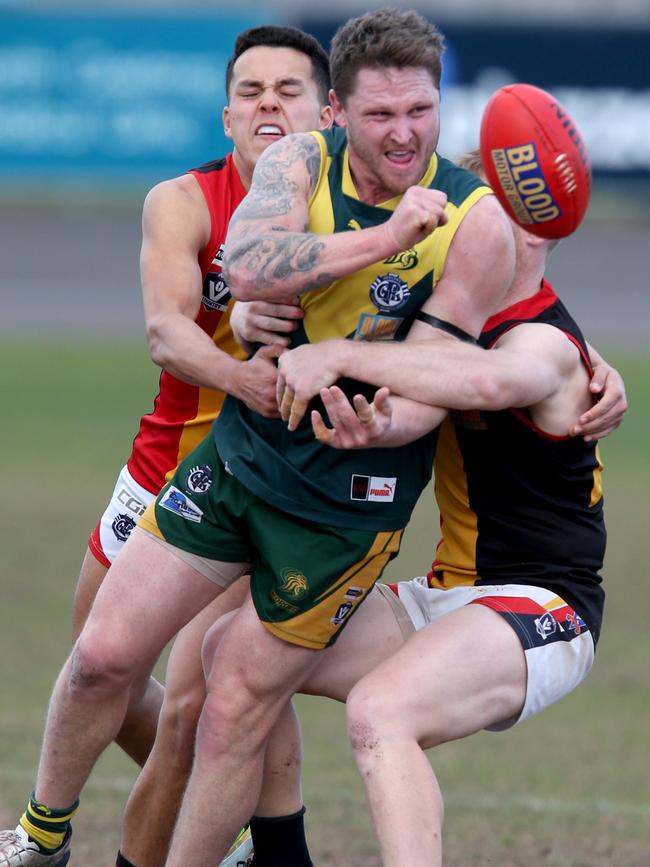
45,826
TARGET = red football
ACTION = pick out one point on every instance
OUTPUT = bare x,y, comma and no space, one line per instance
535,160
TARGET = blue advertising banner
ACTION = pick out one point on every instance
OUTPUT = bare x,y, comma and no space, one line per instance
109,96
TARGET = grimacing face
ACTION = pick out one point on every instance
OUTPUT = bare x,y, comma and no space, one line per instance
272,94
392,120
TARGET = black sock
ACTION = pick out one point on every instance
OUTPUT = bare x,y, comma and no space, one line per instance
279,841
121,861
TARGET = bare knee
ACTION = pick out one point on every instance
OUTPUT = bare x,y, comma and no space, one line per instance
374,716
98,665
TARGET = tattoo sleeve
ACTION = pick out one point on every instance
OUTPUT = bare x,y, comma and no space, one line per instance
263,239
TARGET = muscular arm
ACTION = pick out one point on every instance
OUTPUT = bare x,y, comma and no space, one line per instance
269,253
176,227
388,421
477,274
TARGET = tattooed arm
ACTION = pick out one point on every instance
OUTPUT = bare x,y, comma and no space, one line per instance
271,255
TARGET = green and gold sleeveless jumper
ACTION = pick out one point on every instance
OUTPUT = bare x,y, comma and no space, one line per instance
373,489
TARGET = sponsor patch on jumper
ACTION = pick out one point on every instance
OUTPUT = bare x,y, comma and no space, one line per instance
354,592
175,501
122,527
377,326
199,479
373,489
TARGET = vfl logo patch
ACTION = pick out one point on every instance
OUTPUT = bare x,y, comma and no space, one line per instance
133,504
294,583
373,489
389,292
341,613
175,501
199,479
524,184
216,294
545,625
377,326
122,527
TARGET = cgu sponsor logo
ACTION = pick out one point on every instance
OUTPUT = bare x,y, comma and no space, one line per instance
524,184
133,504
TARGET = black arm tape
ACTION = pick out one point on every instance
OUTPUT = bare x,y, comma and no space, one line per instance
454,330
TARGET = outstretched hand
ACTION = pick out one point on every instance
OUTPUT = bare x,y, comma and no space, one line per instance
354,426
302,373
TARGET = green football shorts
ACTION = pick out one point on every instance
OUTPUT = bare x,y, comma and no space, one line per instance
307,579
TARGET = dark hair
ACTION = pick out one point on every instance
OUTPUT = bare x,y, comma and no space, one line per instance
384,38
285,37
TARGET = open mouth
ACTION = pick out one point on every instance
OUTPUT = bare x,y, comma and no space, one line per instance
400,158
269,129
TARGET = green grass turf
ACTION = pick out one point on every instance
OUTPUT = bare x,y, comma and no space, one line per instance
569,788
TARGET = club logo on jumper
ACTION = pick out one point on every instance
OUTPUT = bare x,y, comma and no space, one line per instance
175,501
389,292
373,489
294,583
406,260
355,225
545,625
341,613
354,593
524,184
122,526
133,504
199,479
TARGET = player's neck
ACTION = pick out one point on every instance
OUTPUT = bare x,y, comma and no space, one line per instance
244,171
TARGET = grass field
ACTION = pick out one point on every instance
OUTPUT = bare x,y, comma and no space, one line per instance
569,788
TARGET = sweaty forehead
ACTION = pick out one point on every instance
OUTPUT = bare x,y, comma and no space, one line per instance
268,65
